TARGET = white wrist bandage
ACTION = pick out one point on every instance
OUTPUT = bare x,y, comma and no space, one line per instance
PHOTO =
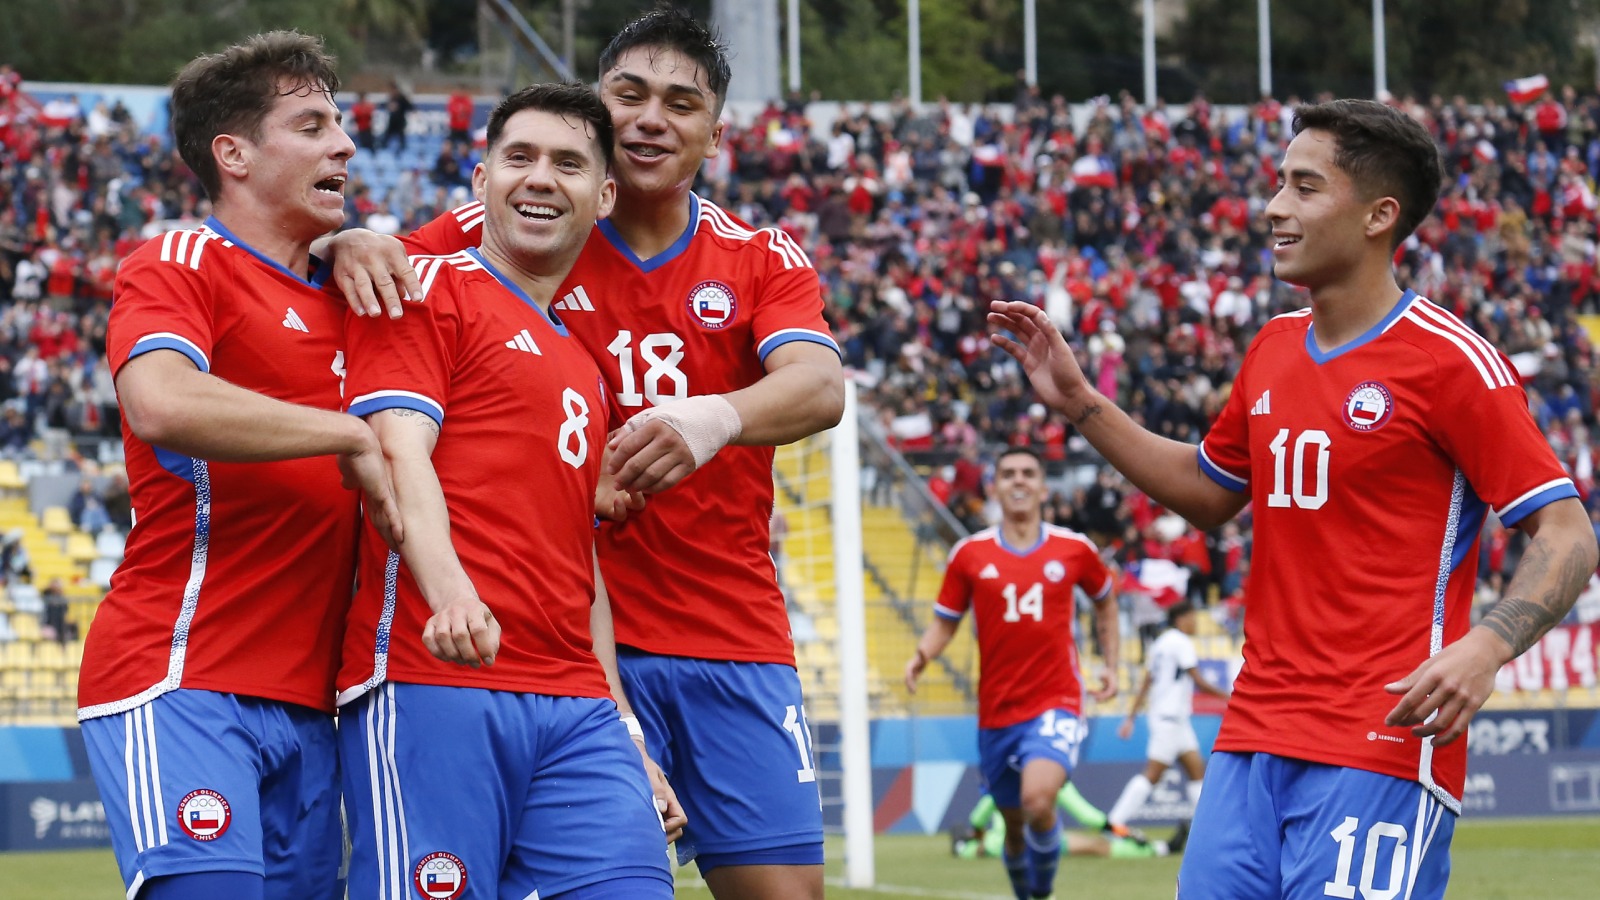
706,423
633,726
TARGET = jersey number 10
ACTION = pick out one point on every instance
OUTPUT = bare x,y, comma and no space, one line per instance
1310,485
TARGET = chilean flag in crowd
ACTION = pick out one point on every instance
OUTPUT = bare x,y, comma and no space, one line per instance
1527,90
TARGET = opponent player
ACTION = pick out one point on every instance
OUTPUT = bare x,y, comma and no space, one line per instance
468,759
710,335
985,833
1171,675
1372,432
206,692
1018,580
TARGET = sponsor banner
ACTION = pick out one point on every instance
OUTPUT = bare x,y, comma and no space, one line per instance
52,815
1564,659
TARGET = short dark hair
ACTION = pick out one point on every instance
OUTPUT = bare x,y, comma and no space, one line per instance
1020,451
670,28
563,98
1178,610
230,92
1386,153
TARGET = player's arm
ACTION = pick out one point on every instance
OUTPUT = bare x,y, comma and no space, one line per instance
802,393
170,403
1125,730
605,648
1204,685
1110,632
1452,685
462,629
934,639
371,270
1167,470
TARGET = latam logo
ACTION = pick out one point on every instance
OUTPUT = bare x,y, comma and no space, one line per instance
204,815
440,876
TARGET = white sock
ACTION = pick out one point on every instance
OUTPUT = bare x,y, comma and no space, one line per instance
1133,797
1193,790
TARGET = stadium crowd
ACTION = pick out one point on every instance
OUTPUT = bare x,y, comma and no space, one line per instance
1139,230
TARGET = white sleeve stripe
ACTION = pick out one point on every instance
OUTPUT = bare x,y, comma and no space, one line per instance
784,333
777,241
1440,317
167,335
1477,363
1557,482
1241,482
467,211
1415,299
408,395
947,612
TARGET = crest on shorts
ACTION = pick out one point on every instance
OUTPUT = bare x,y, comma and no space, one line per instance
440,876
713,305
1054,570
204,815
1368,407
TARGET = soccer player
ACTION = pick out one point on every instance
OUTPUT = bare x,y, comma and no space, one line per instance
1018,580
985,833
206,692
1171,675
1372,432
489,752
711,338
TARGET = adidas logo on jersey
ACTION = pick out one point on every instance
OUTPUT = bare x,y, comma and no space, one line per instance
293,321
576,300
524,341
1263,404
989,571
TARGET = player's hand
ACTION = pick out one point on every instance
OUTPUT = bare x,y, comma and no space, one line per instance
1125,730
1038,346
365,470
463,631
610,501
1449,687
372,271
673,817
648,458
1107,688
914,668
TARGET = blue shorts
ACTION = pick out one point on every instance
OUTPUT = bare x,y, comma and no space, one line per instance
464,792
1003,752
733,740
1271,827
197,781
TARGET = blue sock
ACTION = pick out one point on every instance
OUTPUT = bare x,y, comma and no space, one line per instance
1017,870
1044,854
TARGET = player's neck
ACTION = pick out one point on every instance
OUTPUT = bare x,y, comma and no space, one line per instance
1020,534
541,289
649,224
1344,311
266,238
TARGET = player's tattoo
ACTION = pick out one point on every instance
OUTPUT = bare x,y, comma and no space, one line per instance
1521,622
426,419
1092,409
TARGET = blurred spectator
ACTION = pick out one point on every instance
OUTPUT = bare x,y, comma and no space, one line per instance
399,107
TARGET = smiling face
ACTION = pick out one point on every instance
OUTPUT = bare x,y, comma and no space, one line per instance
543,185
1019,485
296,164
666,120
1321,225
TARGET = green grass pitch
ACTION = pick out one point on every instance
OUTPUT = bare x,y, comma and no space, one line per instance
1492,859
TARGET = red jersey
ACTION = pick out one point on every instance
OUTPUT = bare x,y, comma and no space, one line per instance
1370,468
691,575
237,575
523,423
1023,611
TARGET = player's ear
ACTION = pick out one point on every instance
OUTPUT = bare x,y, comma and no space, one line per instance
480,181
232,155
716,139
1383,215
608,197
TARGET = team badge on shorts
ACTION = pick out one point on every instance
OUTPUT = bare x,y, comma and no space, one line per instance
713,305
1368,407
440,876
1054,570
204,815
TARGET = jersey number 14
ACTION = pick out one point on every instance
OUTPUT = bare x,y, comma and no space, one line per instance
1031,603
